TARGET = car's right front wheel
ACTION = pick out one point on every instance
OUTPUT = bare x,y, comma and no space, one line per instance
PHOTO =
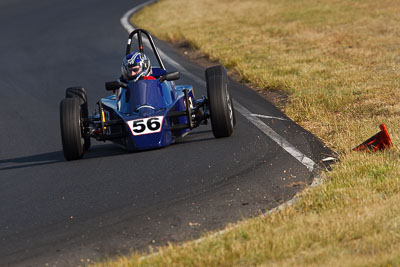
71,128
80,93
220,102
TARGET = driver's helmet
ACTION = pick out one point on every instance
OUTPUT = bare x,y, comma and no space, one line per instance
135,65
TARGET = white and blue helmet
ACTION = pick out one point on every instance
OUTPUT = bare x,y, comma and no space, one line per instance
135,65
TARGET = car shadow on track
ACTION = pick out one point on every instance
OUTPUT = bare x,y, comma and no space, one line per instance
196,136
97,151
31,161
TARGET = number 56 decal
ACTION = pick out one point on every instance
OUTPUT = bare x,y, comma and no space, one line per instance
146,125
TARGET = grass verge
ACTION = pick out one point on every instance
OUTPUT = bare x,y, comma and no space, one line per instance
339,63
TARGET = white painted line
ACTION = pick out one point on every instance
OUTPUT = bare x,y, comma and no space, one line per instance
329,159
293,151
268,117
125,18
288,147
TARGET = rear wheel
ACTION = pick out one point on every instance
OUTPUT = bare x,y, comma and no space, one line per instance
220,102
71,128
80,93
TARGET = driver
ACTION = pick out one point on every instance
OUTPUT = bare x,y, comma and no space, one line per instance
136,66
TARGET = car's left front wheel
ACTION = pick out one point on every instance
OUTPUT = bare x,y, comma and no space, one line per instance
71,128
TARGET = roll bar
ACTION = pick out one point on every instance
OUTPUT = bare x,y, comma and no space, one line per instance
140,42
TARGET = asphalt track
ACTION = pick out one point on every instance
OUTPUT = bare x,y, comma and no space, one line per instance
110,202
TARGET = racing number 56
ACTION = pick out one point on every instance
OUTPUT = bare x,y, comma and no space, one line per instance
146,126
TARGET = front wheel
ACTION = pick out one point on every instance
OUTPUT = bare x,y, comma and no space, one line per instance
80,93
71,128
220,102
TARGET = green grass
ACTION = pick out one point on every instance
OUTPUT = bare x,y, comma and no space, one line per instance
338,61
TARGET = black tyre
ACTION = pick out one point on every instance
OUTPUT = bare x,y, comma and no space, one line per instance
71,128
80,93
220,102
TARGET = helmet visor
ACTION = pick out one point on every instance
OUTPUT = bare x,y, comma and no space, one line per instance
134,70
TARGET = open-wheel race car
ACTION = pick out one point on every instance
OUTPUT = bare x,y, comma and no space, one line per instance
145,114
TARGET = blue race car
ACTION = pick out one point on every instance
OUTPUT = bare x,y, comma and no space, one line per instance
147,113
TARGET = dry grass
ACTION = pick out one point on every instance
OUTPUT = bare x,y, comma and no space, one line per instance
339,63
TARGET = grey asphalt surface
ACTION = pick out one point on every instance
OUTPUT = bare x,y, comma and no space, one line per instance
111,202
